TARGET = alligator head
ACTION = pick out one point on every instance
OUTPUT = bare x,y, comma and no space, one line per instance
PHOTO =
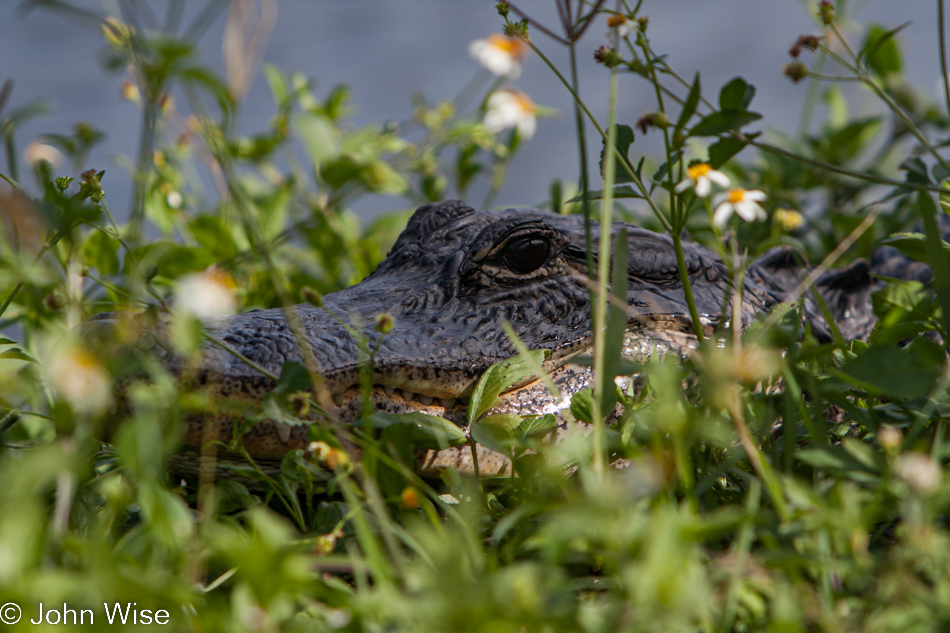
453,277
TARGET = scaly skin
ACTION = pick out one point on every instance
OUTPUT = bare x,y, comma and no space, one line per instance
452,278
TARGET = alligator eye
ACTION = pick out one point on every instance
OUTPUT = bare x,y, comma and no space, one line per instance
527,255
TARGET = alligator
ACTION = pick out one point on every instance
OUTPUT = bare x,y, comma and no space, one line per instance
452,278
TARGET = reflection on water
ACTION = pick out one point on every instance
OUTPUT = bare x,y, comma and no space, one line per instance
388,50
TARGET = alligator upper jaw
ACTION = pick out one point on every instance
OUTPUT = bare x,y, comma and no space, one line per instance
396,392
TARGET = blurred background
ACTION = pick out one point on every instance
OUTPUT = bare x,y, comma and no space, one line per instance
386,51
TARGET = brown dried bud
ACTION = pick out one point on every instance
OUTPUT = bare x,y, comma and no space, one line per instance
299,402
607,56
53,301
311,296
809,42
652,119
384,323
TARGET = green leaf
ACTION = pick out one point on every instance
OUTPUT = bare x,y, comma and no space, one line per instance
100,252
499,378
536,426
939,173
624,140
916,171
429,432
736,95
533,364
211,232
16,353
294,377
881,52
582,405
689,106
936,254
914,245
319,136
725,148
892,372
277,83
834,458
723,121
495,432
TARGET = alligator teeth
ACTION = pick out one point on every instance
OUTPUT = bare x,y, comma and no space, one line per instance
426,400
408,395
283,431
338,399
448,403
389,391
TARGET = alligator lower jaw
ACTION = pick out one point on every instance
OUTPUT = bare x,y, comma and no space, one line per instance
272,440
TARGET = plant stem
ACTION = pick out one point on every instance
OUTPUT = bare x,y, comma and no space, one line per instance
143,168
582,153
603,274
942,37
811,97
687,288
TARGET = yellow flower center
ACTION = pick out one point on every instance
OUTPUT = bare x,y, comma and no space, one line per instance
509,45
525,104
84,361
616,20
698,170
789,219
736,195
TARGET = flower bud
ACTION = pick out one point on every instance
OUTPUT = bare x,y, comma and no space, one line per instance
890,438
788,219
311,296
808,42
826,12
607,56
503,9
409,499
652,119
130,91
796,71
384,323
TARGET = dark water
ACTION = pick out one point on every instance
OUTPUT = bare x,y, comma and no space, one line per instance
388,49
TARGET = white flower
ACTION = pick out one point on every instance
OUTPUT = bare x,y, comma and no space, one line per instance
920,472
37,151
510,109
620,24
174,200
80,379
743,202
207,295
499,54
703,176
